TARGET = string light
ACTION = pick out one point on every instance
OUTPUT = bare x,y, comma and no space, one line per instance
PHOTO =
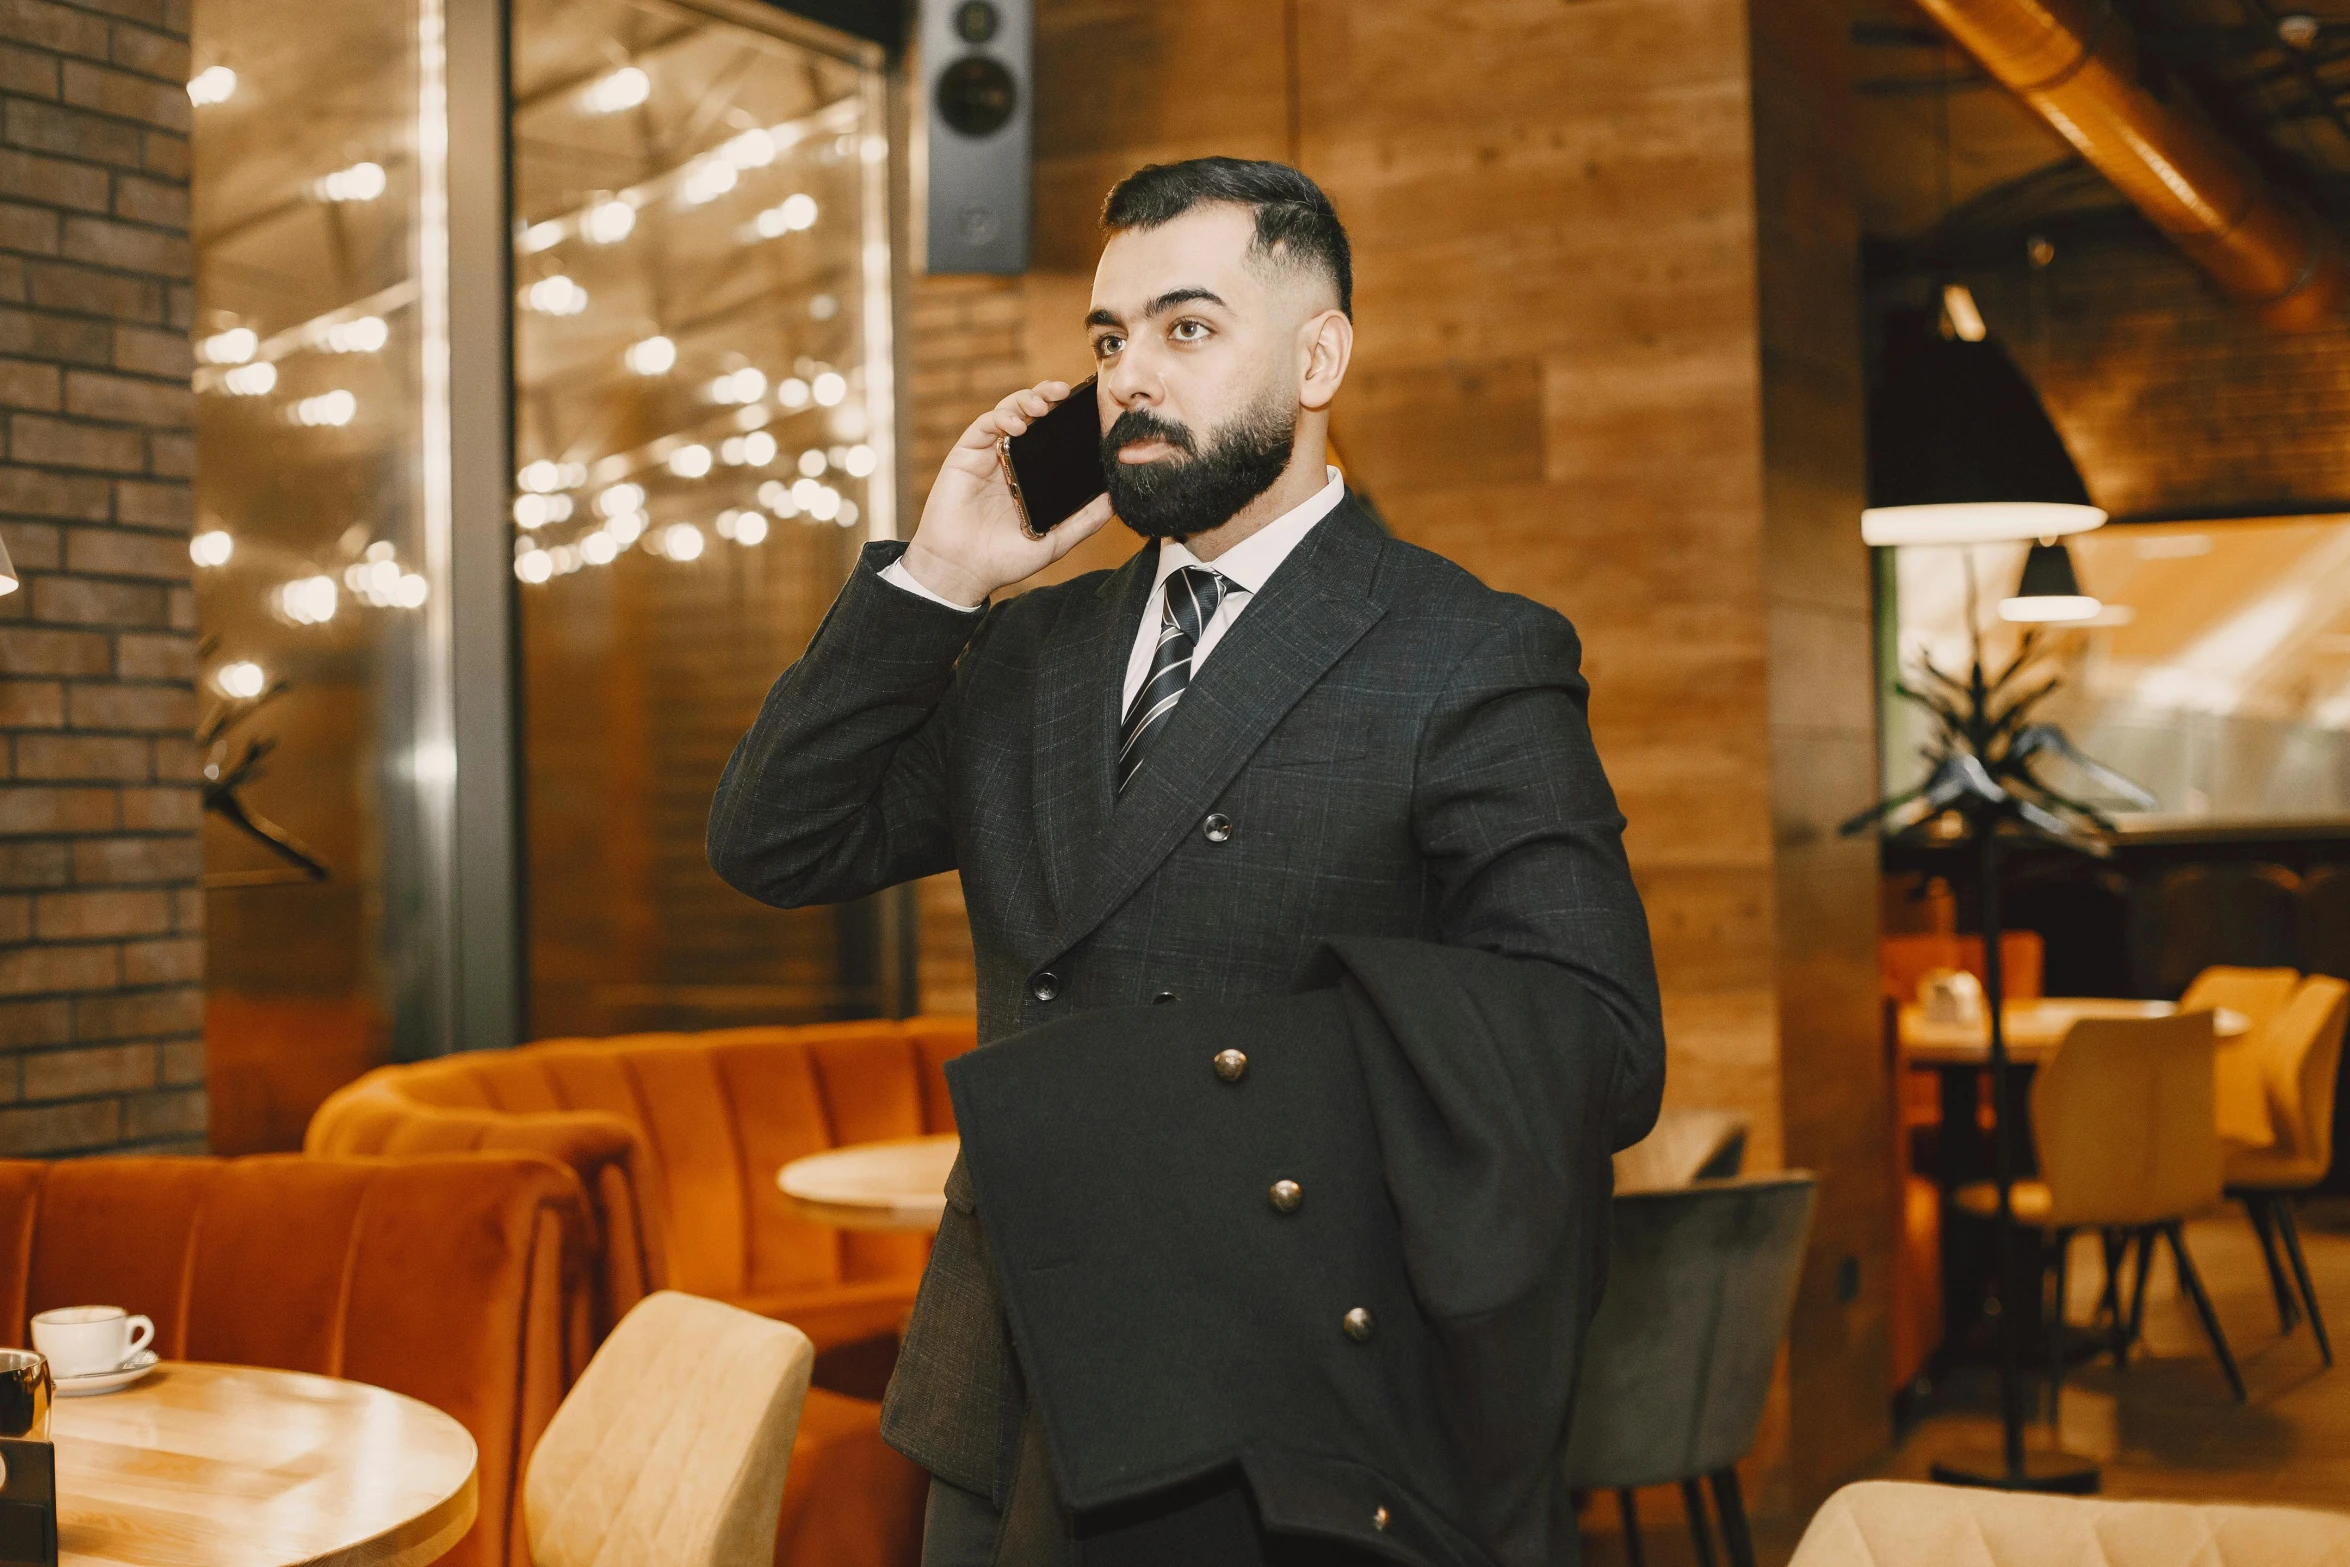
707,180
749,528
812,463
758,449
212,547
253,380
214,84
788,216
598,549
232,347
792,392
334,408
690,462
308,601
650,356
777,498
620,499
241,680
363,335
359,182
746,385
828,389
860,461
623,89
753,149
555,296
534,566
608,222
626,528
682,541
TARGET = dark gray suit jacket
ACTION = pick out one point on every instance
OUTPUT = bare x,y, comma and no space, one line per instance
1380,745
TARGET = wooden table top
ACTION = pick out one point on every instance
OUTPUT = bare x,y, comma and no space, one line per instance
2034,1028
898,1185
209,1466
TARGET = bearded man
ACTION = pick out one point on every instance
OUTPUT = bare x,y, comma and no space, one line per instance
1174,790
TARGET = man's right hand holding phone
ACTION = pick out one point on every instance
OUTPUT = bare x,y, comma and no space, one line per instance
971,541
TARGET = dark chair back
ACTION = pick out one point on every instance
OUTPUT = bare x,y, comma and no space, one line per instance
2196,916
1700,1283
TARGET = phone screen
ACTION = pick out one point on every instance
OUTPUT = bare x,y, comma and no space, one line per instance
1055,465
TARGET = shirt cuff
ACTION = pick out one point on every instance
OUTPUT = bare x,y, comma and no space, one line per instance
896,575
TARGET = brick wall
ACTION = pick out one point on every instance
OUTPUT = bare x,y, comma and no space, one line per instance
101,1011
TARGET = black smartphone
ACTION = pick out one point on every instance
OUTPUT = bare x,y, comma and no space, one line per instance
1055,465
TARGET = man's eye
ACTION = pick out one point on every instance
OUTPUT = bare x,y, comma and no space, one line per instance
1190,331
1104,346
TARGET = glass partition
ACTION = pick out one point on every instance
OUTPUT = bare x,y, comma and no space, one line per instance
315,583
2217,672
702,443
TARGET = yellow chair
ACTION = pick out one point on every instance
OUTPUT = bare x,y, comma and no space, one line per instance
1885,1523
2298,1061
2129,1146
2258,994
670,1450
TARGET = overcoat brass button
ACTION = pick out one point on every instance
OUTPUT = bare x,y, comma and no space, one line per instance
1217,828
1162,998
1358,1325
1230,1065
1286,1196
1378,1517
1045,986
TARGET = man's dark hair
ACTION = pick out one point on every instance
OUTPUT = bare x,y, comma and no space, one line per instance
1295,221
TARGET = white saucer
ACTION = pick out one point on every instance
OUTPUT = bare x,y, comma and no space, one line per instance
107,1381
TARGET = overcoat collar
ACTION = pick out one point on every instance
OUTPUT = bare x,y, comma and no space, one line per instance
1099,846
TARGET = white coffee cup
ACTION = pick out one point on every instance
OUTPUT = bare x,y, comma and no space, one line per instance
83,1341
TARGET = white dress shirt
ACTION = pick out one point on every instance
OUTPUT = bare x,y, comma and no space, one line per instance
1246,568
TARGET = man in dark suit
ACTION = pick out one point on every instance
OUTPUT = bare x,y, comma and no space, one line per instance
1176,781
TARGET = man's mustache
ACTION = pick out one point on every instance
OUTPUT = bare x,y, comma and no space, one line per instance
1140,424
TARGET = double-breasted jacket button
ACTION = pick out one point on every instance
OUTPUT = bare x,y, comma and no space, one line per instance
1231,1065
1358,1325
1286,1195
1217,828
1378,1517
1045,985
1162,998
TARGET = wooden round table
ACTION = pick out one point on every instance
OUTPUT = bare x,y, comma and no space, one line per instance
2034,1028
232,1466
898,1185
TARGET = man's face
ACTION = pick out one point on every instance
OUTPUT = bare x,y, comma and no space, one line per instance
1196,345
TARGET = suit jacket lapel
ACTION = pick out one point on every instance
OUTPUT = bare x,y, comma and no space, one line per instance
1317,605
1077,721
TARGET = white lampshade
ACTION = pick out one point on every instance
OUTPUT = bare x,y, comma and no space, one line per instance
1977,522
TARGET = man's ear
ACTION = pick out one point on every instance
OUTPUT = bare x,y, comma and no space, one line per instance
1325,345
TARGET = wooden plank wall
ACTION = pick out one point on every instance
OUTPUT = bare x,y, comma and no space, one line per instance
1608,358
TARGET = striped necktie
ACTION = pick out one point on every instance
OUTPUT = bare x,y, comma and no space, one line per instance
1192,594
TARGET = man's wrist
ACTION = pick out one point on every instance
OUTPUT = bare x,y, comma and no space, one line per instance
942,578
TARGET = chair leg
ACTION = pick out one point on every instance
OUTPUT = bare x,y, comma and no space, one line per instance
2256,1209
2138,1289
1737,1540
2192,1283
2291,1232
1631,1512
2114,1246
2062,1278
1700,1532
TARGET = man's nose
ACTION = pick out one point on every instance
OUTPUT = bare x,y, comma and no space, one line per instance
1131,384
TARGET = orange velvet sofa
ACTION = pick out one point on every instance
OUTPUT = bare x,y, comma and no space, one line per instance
677,1138
460,1281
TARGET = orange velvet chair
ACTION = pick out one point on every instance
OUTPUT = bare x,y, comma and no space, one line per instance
460,1281
677,1139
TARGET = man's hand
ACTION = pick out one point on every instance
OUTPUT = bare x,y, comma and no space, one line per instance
970,542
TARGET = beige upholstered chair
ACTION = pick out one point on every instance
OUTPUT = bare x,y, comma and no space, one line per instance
670,1450
2258,994
1883,1523
1683,1146
2129,1146
2296,1067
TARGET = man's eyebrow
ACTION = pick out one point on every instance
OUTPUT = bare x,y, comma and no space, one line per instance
1159,306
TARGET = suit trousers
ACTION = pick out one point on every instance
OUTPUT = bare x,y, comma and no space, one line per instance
1213,1520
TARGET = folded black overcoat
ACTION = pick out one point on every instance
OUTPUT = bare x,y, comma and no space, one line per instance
1389,1351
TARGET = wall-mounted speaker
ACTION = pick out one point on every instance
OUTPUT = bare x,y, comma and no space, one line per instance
976,115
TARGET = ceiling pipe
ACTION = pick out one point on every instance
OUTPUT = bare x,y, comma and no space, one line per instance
2075,63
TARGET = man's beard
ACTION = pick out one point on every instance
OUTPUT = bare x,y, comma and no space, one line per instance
1176,497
